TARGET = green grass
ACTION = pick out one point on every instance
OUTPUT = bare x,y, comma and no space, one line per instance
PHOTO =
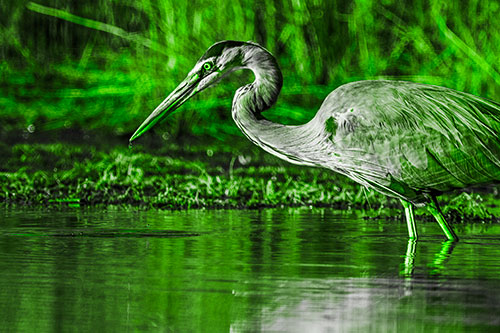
192,175
105,65
123,176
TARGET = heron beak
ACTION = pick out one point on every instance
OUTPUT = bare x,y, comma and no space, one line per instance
182,93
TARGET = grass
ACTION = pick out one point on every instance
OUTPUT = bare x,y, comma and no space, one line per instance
191,175
103,65
206,177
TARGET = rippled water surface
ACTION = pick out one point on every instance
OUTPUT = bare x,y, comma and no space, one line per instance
270,270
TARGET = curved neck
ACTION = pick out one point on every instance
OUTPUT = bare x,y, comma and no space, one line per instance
261,94
254,98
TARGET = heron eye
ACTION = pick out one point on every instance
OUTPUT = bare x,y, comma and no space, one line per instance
207,66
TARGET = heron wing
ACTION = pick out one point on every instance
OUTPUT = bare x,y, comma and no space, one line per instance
405,138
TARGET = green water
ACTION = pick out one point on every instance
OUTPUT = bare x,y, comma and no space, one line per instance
215,271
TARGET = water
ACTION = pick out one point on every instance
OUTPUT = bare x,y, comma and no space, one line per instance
270,270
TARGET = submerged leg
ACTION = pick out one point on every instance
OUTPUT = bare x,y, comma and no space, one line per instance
410,219
433,208
409,258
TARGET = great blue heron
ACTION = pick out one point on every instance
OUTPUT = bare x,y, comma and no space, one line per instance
407,140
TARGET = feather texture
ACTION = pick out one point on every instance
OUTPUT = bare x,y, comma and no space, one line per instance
422,138
403,139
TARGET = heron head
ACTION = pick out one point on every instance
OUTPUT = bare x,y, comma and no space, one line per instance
219,60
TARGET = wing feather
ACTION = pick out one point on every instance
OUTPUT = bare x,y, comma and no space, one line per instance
418,137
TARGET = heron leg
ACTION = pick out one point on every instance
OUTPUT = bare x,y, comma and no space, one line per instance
433,208
410,219
409,264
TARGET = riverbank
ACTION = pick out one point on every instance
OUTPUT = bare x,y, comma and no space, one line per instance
190,175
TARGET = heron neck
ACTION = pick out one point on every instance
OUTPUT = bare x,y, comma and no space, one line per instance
252,99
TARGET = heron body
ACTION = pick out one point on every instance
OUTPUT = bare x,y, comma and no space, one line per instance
406,140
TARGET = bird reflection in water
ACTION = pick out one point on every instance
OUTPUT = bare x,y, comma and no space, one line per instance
436,266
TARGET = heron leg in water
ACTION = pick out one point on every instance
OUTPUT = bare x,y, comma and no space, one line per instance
409,263
433,208
410,219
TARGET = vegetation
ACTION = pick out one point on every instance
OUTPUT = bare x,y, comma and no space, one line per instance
77,78
104,65
203,178
190,176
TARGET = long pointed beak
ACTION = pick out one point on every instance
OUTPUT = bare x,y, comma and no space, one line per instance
182,93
